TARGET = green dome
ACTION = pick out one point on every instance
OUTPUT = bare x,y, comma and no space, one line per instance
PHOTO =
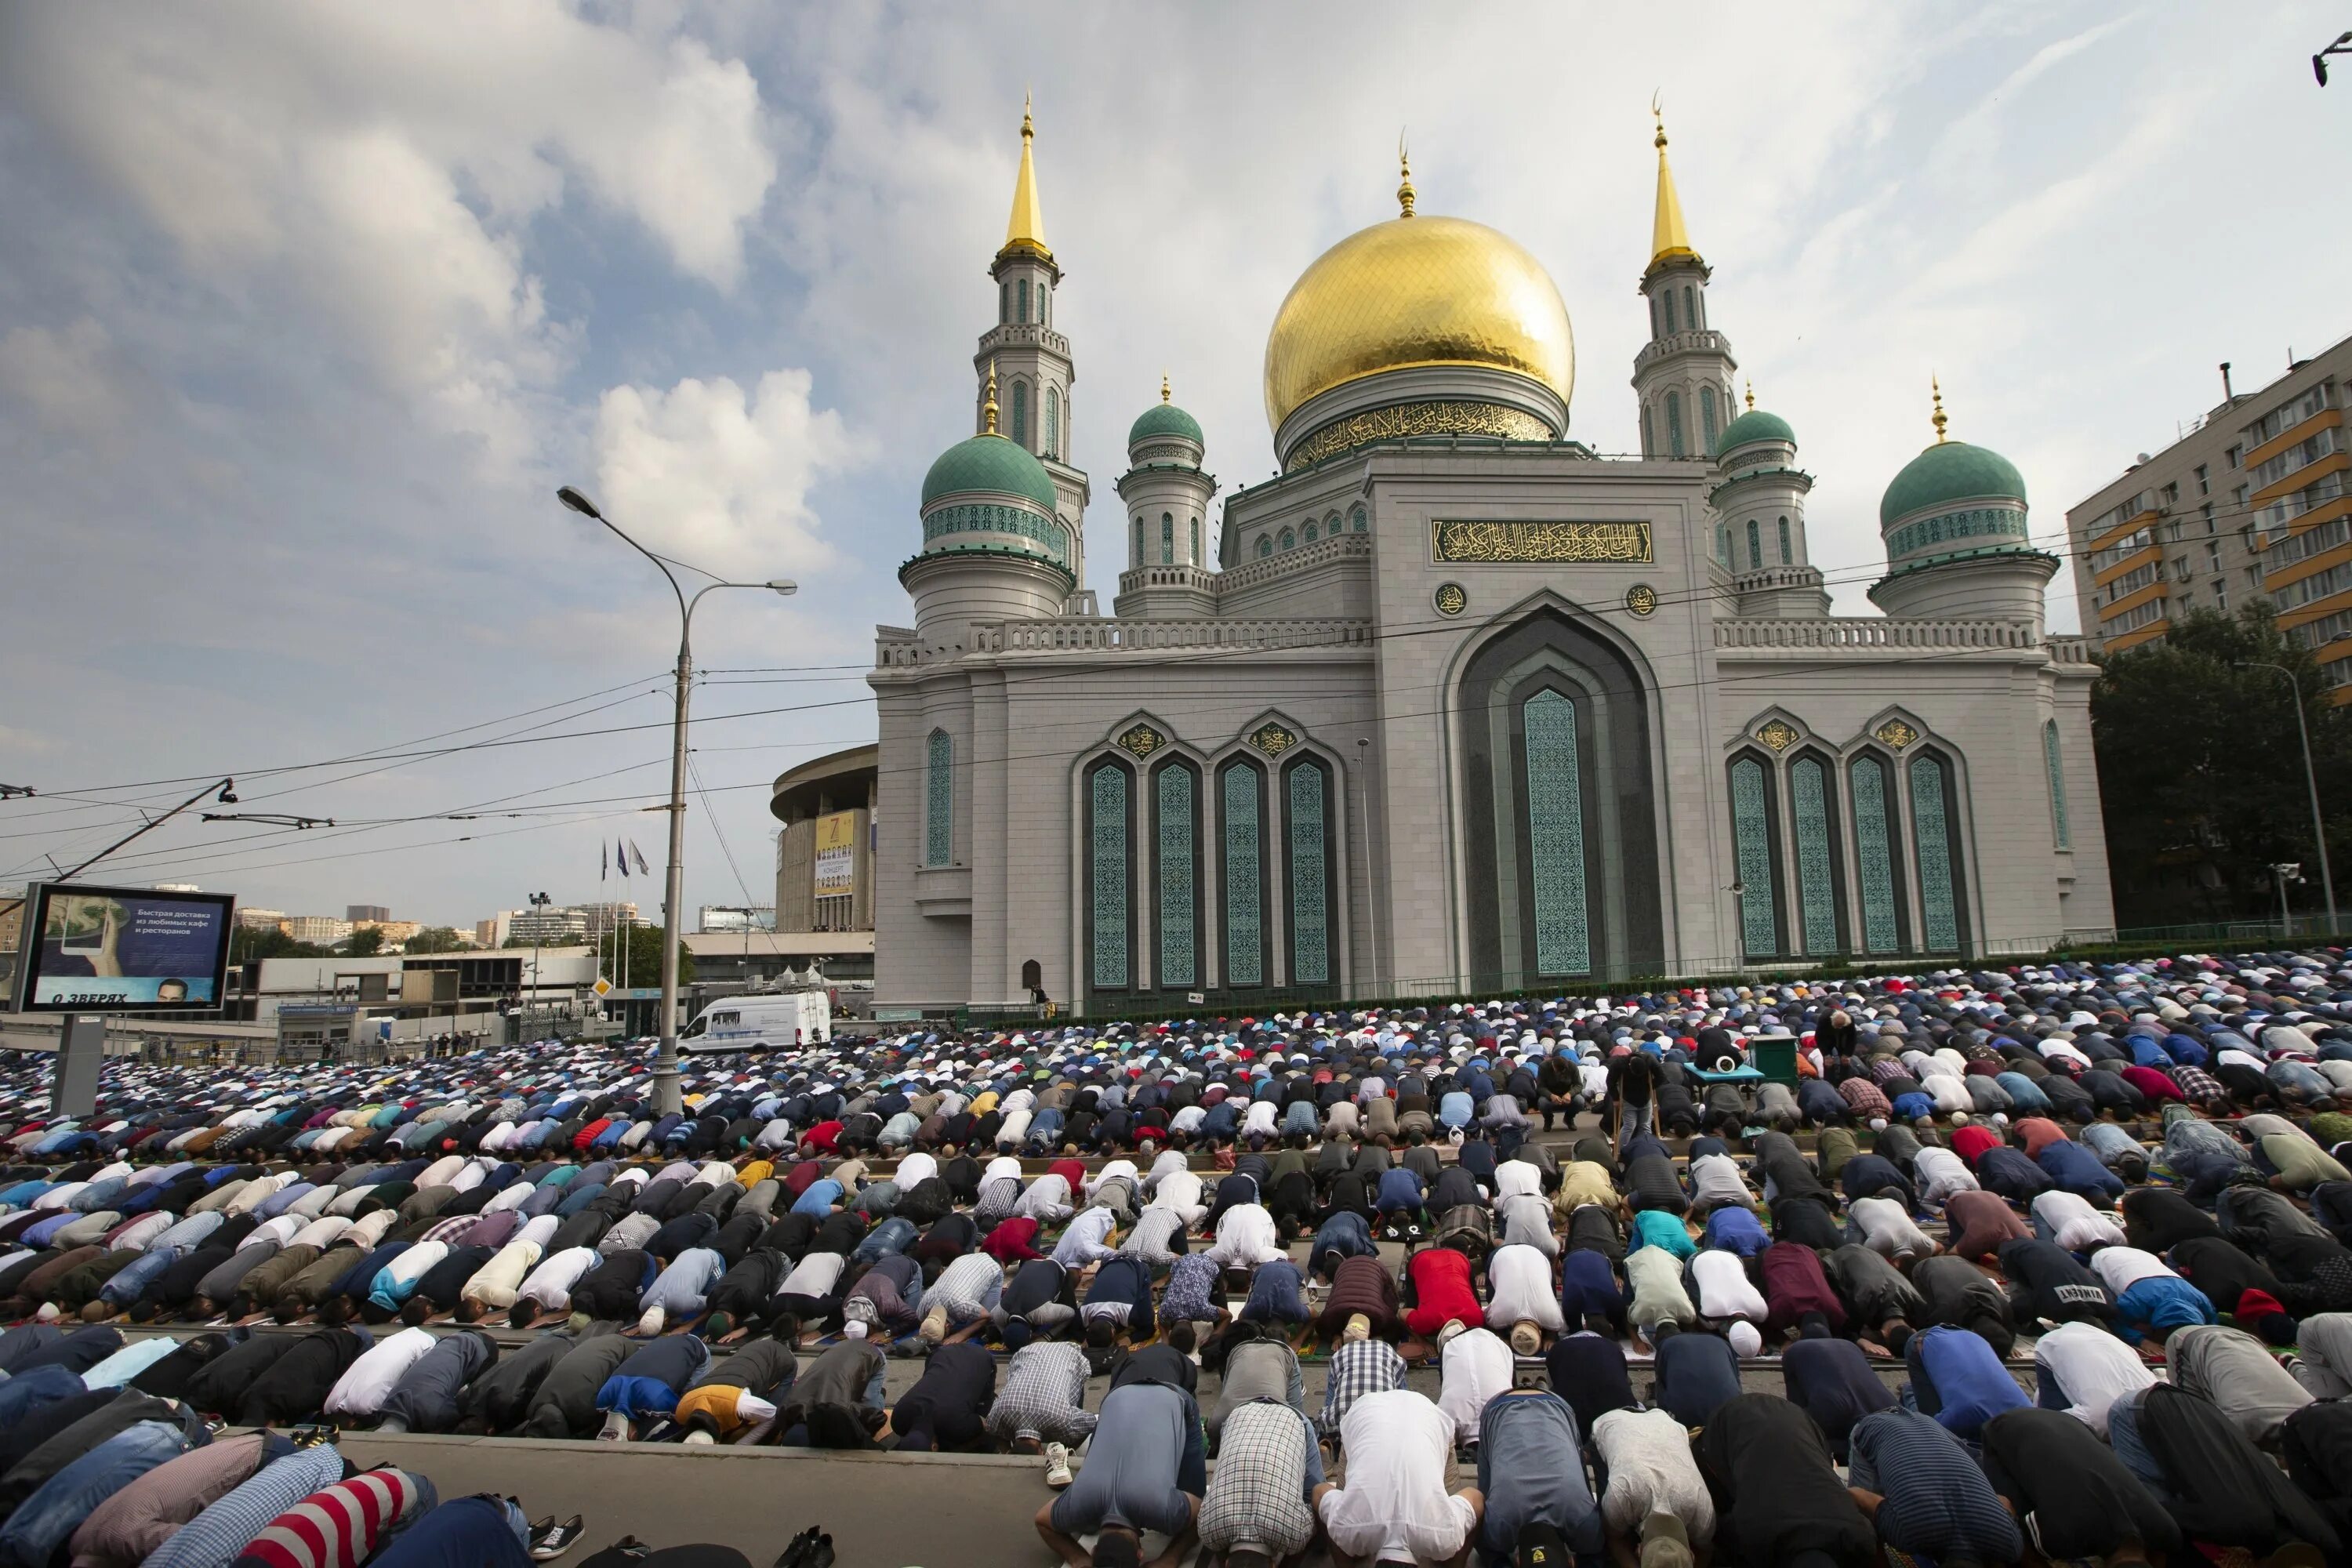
1950,471
991,463
1164,419
1755,425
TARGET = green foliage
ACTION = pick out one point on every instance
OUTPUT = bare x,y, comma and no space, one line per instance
364,943
248,945
643,947
2201,772
436,938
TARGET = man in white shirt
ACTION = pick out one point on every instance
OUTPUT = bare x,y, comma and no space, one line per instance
1886,1228
1394,1507
1719,1282
368,1381
1180,1190
1715,1183
1655,1485
2082,1369
2323,1362
2069,1220
1087,1239
548,1286
1524,1299
1940,1174
1245,1239
1474,1366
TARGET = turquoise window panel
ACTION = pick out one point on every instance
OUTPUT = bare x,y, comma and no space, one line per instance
1872,835
1310,913
1360,521
1706,417
1167,539
1755,547
1555,798
1022,289
1244,881
1751,833
1053,411
1788,557
1108,850
1649,443
1932,835
1196,541
1816,878
2057,768
938,801
1179,874
1668,296
1673,418
1021,403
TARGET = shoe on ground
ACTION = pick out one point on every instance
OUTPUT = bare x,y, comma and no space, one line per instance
698,1438
1057,1466
615,1428
556,1540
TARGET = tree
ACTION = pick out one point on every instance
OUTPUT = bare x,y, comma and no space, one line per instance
364,943
436,938
251,945
643,945
2201,772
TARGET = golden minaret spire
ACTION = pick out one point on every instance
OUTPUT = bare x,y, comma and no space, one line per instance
1404,179
1668,236
1164,387
1751,394
1939,419
988,409
1026,230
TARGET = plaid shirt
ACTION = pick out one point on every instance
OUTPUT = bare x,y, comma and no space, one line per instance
1865,1098
214,1538
1358,1368
2202,1088
1258,1493
1044,1390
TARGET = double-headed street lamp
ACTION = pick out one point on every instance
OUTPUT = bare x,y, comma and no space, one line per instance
2311,781
666,1095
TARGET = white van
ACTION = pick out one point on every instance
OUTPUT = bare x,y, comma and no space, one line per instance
773,1023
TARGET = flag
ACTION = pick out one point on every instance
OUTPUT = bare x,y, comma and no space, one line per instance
603,861
621,853
643,870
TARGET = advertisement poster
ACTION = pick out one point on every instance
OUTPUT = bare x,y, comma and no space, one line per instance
836,855
125,949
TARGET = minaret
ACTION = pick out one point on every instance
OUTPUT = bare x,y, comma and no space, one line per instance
1031,359
1166,494
1759,506
1683,374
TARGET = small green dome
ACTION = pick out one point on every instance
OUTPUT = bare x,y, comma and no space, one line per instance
991,463
1755,425
1950,471
1164,419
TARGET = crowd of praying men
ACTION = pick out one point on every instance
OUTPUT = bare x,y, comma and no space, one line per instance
1589,1221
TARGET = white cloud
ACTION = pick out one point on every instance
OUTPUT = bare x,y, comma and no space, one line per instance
712,475
63,376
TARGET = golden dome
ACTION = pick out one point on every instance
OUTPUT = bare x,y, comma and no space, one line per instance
1417,291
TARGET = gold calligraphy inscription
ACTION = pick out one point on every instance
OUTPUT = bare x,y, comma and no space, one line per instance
1627,543
1402,420
1143,739
1778,733
1273,740
1896,733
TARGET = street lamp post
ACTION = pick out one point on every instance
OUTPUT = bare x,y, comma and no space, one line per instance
666,1095
1738,891
539,903
2311,781
2286,872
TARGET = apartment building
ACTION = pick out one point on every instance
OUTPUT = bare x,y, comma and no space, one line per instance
2253,502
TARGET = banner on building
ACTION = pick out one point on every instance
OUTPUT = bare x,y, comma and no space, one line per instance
836,855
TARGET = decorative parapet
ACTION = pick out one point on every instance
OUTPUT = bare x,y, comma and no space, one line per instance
1871,634
1322,553
1191,577
1156,636
2072,650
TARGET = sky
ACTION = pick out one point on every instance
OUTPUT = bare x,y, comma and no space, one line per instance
307,309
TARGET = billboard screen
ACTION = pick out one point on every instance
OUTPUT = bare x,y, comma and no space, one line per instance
122,950
836,854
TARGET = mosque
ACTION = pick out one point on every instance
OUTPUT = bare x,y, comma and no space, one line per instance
1455,704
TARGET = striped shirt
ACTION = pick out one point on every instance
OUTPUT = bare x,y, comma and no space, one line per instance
214,1536
341,1526
1939,1502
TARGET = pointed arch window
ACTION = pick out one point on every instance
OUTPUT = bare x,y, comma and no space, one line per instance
1723,543
1706,417
1935,835
1306,534
1674,423
1195,560
1265,546
1752,840
1289,540
1045,316
1242,809
1138,539
938,800
1021,296
1308,795
1359,521
1813,815
1787,558
2057,770
1053,422
1875,860
1690,308
1555,798
1755,547
1668,296
1649,441
1168,539
1177,859
1021,413
1004,301
1110,846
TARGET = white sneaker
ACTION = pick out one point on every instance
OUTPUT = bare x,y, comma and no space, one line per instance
1057,1464
615,1428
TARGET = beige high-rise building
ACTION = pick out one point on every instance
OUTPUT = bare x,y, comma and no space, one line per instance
2252,503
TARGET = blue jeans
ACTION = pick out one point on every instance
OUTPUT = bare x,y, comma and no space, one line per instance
56,1510
2122,1434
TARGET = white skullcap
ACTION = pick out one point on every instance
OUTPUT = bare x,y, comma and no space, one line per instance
1745,1339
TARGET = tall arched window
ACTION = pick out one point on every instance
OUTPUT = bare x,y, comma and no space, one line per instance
1195,560
1653,319
1020,297
1359,521
2057,769
1289,540
1876,859
1168,539
1139,556
1690,308
1934,836
1307,532
1668,296
1788,557
1755,547
938,800
1264,545
1723,543
1242,851
1021,413
1045,316
1004,301
1555,798
1706,417
1331,526
1065,428
1110,846
1812,812
1176,857
1752,838
1053,422
1307,791
1649,443
1674,423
